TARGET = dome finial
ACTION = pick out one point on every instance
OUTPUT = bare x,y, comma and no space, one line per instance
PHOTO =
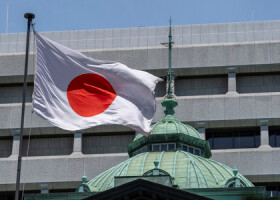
235,171
170,99
156,162
84,178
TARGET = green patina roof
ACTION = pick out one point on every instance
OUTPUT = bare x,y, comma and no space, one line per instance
171,125
188,171
170,129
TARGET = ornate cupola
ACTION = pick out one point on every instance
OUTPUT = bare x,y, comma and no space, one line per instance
169,134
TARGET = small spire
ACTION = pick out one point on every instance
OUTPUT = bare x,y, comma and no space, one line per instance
170,99
84,178
156,163
169,92
235,171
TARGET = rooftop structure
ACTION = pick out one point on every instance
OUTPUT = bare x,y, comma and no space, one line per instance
227,85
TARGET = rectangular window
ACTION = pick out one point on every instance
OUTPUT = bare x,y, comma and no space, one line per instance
274,136
185,148
233,138
163,147
144,149
156,147
223,140
270,187
244,139
192,150
171,146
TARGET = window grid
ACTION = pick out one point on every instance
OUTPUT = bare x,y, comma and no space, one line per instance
164,147
233,138
141,150
192,150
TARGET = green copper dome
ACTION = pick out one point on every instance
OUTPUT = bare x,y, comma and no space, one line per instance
169,130
187,170
170,125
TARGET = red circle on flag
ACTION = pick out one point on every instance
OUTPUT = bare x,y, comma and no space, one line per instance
90,94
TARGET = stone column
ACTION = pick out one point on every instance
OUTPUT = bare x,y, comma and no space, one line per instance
201,129
15,148
232,81
264,133
77,145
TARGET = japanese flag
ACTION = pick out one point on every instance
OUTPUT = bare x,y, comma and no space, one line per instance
74,92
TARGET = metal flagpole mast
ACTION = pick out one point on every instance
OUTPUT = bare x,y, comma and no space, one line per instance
29,17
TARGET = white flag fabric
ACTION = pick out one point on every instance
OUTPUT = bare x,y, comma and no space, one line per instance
75,92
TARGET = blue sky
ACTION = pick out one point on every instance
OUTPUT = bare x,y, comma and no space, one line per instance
56,15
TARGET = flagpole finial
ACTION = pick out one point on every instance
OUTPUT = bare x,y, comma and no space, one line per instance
29,16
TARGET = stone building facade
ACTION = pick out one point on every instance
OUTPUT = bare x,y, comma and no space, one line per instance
227,85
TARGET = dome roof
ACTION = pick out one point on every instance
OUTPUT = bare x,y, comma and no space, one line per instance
188,170
170,130
170,125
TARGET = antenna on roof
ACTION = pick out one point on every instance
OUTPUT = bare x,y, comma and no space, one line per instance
169,44
169,100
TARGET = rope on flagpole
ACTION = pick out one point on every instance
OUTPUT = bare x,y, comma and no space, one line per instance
31,117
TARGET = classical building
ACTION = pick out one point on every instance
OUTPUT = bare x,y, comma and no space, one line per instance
172,163
227,85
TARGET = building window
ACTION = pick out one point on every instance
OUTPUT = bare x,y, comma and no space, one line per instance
274,136
233,138
164,147
141,150
270,187
191,150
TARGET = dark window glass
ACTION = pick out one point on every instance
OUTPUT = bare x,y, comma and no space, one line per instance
278,140
185,148
231,185
155,147
257,140
233,138
244,139
190,149
270,187
171,146
197,152
144,149
274,136
223,140
163,147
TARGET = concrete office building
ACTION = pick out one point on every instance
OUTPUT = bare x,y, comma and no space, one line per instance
227,85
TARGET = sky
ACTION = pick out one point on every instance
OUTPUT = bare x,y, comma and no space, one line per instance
57,15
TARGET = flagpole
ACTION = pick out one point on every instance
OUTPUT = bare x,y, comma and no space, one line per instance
29,17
